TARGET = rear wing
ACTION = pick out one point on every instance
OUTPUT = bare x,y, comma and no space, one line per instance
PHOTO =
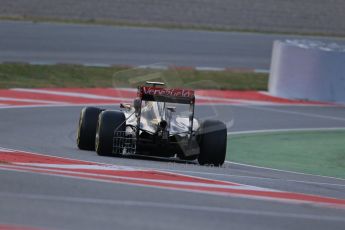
182,96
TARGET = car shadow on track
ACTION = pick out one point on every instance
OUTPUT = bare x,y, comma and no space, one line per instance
157,159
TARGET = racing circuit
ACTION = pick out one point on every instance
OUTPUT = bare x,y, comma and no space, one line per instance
47,183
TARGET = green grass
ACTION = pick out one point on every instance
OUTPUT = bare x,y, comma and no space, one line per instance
319,153
41,76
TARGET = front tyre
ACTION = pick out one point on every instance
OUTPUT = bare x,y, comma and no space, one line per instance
87,128
108,122
212,143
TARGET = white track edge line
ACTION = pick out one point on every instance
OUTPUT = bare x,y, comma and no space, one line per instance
286,130
285,171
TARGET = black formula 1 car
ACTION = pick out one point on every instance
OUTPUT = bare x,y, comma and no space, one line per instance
160,122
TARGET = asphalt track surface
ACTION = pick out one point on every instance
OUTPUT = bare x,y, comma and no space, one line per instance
51,202
49,43
308,16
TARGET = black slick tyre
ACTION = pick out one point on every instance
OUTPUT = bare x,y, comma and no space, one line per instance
108,122
212,140
87,128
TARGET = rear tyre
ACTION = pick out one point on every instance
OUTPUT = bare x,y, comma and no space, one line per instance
108,122
212,142
87,128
